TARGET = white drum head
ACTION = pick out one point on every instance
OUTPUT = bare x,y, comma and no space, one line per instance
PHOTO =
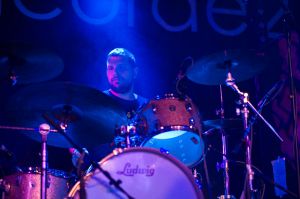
186,146
145,173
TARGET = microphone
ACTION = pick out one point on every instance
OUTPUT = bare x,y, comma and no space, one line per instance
272,93
44,129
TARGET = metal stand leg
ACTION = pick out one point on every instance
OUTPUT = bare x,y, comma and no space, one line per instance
224,164
44,129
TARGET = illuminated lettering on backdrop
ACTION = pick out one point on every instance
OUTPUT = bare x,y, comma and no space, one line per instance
115,4
192,21
275,19
40,16
233,32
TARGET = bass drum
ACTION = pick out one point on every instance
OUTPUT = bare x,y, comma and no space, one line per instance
144,173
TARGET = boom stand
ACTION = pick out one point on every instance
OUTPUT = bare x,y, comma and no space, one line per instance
251,192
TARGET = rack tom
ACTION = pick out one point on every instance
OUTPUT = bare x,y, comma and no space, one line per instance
173,126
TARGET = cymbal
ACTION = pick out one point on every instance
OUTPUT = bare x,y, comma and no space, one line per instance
23,63
213,69
230,123
90,116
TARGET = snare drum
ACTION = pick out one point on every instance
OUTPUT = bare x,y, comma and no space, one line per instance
144,173
173,125
26,184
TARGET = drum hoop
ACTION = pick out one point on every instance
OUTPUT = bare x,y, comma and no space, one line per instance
119,151
37,170
164,129
171,96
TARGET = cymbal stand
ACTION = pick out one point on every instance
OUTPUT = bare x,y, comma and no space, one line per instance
224,164
230,81
112,181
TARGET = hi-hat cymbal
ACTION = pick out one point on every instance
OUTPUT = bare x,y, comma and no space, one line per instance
212,69
23,63
90,117
231,123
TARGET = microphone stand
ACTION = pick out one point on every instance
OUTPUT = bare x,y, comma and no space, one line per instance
112,181
230,81
44,129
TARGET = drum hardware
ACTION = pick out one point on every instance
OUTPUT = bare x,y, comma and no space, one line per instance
230,81
198,178
23,128
224,165
112,181
127,136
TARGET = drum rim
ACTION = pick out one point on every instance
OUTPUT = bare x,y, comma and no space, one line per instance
37,170
171,96
119,151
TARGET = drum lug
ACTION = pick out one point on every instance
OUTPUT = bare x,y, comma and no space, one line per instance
188,107
48,181
164,151
4,186
18,181
192,122
154,108
157,125
117,151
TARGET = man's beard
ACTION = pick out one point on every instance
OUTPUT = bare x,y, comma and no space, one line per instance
122,89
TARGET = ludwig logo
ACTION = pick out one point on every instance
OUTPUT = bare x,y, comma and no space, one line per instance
130,170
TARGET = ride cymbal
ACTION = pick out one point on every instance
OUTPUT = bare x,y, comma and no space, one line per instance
23,63
213,69
89,116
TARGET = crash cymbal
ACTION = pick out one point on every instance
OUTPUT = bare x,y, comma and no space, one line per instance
230,123
89,116
213,69
22,63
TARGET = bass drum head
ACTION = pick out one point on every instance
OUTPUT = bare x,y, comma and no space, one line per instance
144,173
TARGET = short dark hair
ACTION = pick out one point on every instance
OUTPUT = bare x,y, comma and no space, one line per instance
123,53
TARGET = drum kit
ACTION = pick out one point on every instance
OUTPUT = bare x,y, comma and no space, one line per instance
154,154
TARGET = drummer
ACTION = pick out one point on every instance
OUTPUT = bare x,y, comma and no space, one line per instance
121,72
